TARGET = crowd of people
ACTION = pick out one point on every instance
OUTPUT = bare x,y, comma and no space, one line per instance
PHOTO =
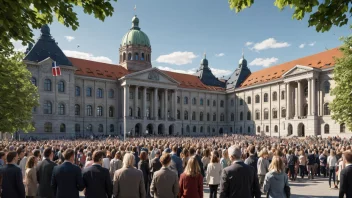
166,167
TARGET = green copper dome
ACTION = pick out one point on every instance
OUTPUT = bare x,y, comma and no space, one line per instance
135,36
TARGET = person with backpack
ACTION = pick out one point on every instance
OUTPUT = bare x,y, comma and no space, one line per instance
310,164
291,161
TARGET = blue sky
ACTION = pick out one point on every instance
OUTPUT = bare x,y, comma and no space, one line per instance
181,31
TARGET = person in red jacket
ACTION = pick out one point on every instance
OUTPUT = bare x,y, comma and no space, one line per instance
191,180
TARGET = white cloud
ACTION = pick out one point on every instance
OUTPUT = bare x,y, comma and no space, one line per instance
87,56
177,58
18,47
248,43
220,55
312,44
217,72
269,43
265,62
69,38
302,45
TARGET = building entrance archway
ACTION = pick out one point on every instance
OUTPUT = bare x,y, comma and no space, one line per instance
301,130
171,129
150,129
289,130
221,131
161,129
138,130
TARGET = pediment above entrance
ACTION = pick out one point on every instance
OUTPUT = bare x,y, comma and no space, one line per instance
298,70
150,76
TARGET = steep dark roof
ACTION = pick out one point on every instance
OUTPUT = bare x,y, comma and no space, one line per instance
206,76
46,47
239,75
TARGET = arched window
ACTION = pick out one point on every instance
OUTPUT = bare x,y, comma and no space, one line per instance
124,56
342,128
208,117
47,85
241,129
266,96
201,116
77,109
257,99
258,129
178,100
222,117
249,100
214,117
99,111
142,56
89,110
257,114
99,93
267,129
214,103
187,129
201,129
201,101
221,103
147,113
48,127
249,116
34,81
90,128
129,56
232,103
282,95
326,87
62,128
326,129
61,86
100,128
139,112
208,102
248,129
194,129
241,101
111,93
275,96
326,109
130,112
185,100
274,114
77,128
61,109
78,91
186,115
232,117
48,107
194,101
231,130
193,115
266,114
241,116
112,128
208,130
283,112
276,128
178,114
111,111
89,92
136,57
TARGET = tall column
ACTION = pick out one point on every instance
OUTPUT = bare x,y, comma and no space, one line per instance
162,103
136,101
155,103
175,104
309,97
125,109
314,101
299,103
144,104
165,104
296,102
288,102
321,100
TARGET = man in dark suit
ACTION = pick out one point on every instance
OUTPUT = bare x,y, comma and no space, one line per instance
346,176
12,180
44,173
155,163
192,152
238,179
67,178
97,179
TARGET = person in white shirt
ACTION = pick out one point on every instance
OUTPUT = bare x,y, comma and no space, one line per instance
106,162
332,161
213,174
23,163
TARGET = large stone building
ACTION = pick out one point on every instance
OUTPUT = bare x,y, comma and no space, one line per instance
136,99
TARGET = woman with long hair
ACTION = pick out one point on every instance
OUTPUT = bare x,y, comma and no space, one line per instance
331,165
302,163
263,165
213,174
115,164
191,180
184,157
31,177
276,179
225,160
206,158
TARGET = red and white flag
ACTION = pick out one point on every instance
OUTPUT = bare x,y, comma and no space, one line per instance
56,71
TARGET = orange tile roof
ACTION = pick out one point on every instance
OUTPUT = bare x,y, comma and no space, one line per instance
98,69
321,60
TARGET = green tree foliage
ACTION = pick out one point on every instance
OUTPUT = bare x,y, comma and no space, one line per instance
19,17
17,94
322,13
341,106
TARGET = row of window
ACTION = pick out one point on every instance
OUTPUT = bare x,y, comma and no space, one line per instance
201,129
89,109
135,57
185,116
201,101
48,127
99,93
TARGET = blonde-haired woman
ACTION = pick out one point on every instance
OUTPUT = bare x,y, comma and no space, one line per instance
31,177
276,180
263,165
191,180
128,181
225,160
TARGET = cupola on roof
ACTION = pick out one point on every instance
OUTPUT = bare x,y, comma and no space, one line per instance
135,36
204,61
